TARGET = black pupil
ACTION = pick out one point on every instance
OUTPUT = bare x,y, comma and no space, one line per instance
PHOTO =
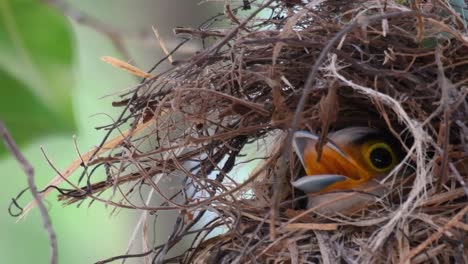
381,158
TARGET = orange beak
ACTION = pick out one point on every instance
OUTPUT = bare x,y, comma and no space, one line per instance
336,170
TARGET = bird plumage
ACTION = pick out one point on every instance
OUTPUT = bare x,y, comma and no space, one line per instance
353,161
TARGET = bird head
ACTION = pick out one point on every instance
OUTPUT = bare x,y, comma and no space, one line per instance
352,157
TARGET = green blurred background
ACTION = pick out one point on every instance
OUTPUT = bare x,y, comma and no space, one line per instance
52,85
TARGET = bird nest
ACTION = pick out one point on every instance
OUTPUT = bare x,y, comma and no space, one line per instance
289,65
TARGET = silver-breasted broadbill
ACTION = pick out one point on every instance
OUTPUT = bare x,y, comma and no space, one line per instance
353,162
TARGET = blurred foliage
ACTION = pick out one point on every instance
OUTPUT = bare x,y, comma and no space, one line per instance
43,103
36,55
26,116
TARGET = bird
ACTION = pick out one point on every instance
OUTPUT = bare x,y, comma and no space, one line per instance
348,174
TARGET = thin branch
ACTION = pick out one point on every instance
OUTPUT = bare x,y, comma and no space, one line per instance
28,169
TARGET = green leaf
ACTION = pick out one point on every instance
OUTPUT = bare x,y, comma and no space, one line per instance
36,58
23,114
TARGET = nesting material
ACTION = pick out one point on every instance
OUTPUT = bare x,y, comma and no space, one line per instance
398,67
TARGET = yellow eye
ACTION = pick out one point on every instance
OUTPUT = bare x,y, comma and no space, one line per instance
380,157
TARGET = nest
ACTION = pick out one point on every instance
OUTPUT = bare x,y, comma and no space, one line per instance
314,65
